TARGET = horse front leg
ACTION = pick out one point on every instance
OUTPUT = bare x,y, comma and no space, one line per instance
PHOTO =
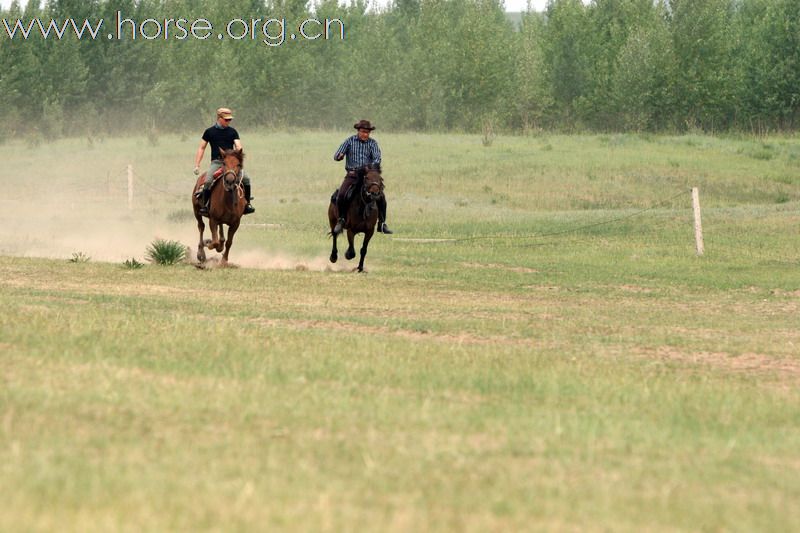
334,251
229,243
351,249
214,229
221,241
367,237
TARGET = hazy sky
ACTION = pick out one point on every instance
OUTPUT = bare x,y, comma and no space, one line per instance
511,5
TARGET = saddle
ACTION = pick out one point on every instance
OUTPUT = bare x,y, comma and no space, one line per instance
359,174
348,197
217,175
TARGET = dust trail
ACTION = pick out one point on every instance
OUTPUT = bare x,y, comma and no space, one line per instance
107,231
270,260
104,232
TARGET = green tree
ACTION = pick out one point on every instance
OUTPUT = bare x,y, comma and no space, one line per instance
769,64
641,93
532,99
704,81
566,47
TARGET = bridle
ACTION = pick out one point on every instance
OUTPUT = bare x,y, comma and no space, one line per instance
236,182
366,195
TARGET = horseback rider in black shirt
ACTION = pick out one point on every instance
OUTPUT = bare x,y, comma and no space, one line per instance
220,136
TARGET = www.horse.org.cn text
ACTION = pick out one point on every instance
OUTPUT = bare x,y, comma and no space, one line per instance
270,31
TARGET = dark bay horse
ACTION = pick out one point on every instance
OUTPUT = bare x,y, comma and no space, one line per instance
225,207
361,216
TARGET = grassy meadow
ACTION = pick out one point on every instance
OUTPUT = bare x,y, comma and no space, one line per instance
538,347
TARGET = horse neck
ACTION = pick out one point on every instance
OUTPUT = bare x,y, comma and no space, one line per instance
223,197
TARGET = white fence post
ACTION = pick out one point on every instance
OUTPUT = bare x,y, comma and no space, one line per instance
698,223
130,187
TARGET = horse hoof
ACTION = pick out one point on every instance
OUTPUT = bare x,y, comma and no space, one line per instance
334,258
349,255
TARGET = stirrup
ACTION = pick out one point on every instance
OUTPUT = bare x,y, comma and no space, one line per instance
249,209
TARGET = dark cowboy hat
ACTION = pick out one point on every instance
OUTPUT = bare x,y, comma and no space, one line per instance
363,125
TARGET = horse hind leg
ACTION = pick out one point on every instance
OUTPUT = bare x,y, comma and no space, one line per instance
333,217
201,253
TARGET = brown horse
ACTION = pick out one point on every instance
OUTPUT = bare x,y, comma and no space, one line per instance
225,207
361,216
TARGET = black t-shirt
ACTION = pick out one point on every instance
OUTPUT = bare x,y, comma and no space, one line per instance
220,138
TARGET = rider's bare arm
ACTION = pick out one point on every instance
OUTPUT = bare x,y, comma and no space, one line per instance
199,155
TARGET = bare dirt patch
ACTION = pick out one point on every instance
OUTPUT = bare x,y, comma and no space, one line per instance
787,370
461,338
507,268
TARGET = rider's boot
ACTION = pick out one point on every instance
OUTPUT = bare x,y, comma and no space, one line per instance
205,196
248,208
382,227
341,206
339,227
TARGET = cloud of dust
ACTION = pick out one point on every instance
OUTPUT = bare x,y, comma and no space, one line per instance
65,223
62,224
259,259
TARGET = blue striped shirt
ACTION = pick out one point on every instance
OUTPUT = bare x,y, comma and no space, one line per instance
359,153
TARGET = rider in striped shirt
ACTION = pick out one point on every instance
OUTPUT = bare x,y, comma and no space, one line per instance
358,151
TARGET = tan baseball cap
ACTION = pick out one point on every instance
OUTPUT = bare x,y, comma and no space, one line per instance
224,112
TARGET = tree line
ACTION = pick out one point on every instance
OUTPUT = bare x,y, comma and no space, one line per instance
433,65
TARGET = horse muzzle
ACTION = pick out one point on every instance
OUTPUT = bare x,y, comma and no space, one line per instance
230,180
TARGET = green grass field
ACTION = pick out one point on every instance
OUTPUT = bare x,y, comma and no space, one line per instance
537,348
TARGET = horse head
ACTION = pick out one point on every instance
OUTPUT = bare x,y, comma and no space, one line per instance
232,163
373,184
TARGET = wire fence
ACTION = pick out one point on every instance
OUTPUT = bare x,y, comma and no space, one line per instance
125,187
543,236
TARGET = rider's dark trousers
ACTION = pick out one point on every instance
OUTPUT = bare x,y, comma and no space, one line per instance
350,179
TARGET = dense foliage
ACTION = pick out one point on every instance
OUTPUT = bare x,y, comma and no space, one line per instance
462,65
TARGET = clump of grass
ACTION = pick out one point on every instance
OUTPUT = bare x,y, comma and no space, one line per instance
164,252
132,264
763,154
786,179
782,198
79,257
